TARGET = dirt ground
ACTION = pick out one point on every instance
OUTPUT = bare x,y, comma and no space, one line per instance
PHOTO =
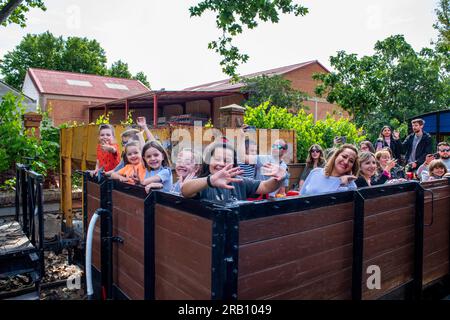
57,271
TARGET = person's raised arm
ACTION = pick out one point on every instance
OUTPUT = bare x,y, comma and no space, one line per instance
277,174
142,123
220,179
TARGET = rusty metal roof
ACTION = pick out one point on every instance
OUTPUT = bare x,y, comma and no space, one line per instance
84,85
226,85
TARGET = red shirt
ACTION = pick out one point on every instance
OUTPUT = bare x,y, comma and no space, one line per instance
106,159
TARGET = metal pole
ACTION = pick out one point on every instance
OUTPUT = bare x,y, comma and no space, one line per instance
155,111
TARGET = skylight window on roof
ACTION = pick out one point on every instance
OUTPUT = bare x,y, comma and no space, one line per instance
79,83
117,86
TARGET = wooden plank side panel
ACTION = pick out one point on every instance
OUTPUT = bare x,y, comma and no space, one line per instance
389,203
436,235
327,287
128,257
282,278
285,224
183,255
187,225
261,255
389,241
300,255
396,269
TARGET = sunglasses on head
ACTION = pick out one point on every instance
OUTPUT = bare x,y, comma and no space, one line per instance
279,147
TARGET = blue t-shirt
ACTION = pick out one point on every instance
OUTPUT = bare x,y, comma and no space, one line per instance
176,188
165,174
317,183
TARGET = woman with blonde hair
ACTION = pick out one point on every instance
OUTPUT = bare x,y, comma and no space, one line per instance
367,171
338,174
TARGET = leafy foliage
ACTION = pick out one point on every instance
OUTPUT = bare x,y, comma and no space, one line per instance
231,18
18,14
389,87
321,132
55,53
443,26
103,119
129,119
275,89
119,69
142,78
17,146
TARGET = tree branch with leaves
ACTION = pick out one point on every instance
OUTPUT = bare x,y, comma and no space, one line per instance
233,15
13,11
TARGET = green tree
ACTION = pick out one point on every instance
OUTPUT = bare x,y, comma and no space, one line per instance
84,56
47,51
390,86
54,53
233,15
443,25
13,11
275,89
142,78
119,69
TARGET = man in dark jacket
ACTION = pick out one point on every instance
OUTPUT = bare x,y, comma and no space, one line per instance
417,145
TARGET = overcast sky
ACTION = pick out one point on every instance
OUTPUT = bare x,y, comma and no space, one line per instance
159,38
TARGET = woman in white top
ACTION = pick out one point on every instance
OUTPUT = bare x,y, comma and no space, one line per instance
338,175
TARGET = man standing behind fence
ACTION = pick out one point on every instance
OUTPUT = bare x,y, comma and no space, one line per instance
417,145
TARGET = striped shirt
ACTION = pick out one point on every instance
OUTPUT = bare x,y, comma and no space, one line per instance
249,170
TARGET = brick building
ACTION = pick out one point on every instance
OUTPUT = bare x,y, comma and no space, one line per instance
301,79
68,95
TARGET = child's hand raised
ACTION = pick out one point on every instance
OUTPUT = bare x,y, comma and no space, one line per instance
390,164
141,122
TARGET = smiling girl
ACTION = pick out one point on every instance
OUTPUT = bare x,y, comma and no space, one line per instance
158,173
437,170
134,171
338,175
187,168
221,178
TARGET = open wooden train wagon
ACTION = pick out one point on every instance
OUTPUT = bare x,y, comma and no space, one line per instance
384,242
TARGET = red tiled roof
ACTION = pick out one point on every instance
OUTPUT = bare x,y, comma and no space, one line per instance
59,83
225,85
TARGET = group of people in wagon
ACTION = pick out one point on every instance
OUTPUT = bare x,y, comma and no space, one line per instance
218,173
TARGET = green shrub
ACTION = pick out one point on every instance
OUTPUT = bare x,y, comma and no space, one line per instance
17,146
321,132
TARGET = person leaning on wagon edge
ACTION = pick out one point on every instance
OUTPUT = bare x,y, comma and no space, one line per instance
417,145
